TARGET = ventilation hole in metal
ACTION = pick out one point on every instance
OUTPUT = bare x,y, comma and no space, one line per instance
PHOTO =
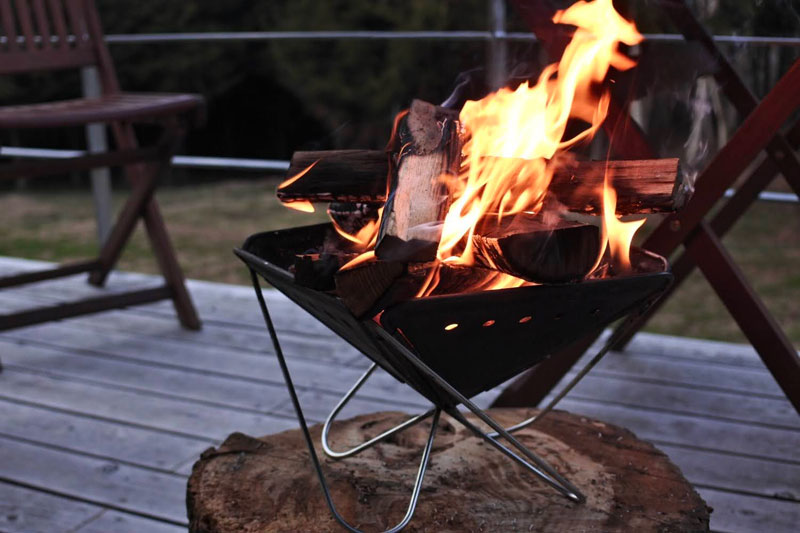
451,327
488,323
525,319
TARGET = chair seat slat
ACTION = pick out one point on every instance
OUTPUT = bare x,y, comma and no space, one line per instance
128,107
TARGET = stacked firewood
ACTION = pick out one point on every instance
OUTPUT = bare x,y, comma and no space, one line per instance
405,182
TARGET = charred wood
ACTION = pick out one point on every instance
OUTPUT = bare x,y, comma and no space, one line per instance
643,186
316,271
531,249
361,286
338,176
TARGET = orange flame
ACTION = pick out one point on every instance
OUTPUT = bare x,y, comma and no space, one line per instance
366,237
300,205
512,139
619,234
513,136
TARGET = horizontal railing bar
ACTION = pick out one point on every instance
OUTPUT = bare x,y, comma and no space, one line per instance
467,35
187,161
235,163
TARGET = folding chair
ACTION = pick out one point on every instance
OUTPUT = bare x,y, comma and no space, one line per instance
44,35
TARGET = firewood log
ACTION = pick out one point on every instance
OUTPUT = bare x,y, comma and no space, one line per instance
361,286
643,186
529,248
418,198
338,176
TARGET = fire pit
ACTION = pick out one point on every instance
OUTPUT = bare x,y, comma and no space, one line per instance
477,244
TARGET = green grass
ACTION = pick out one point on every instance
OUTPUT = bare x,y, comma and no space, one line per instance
207,221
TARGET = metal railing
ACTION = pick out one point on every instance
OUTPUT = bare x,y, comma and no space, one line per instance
96,139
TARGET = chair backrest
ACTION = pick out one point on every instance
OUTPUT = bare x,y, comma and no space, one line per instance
40,35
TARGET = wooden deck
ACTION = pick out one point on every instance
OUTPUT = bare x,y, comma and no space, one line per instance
102,417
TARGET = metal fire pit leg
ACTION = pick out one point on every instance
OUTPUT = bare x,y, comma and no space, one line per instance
614,338
542,469
373,441
426,452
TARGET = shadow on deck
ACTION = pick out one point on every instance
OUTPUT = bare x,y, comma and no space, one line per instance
102,417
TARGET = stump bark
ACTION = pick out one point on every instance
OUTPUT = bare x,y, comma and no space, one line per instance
250,485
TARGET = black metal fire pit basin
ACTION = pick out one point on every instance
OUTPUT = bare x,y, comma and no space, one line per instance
497,334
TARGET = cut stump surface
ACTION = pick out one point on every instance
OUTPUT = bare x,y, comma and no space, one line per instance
250,485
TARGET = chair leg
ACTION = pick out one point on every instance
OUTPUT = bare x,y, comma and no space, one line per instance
126,222
170,269
154,225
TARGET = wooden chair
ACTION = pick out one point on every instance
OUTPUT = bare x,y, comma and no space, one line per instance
43,35
697,228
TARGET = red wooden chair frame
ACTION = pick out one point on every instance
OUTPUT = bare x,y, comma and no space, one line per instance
43,35
701,238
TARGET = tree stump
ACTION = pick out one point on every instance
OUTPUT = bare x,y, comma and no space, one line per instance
251,485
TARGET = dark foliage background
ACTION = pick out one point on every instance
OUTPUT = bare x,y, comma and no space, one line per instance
269,98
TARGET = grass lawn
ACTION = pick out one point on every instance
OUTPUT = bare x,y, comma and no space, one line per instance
207,221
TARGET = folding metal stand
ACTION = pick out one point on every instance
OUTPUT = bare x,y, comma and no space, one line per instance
700,237
535,464
558,310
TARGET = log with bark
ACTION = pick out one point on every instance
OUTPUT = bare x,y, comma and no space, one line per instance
418,198
250,485
643,186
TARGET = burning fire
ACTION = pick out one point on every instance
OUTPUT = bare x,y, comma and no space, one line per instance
513,138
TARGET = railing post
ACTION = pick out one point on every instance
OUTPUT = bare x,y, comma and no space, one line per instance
496,59
97,141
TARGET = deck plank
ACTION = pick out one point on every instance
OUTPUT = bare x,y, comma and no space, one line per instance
101,438
100,482
24,510
87,405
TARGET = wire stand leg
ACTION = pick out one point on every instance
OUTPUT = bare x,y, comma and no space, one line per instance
542,469
613,339
330,452
426,453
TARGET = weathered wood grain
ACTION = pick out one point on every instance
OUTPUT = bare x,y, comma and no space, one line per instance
100,482
250,485
104,438
24,510
739,461
171,415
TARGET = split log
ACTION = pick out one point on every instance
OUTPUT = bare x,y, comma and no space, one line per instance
265,485
643,186
528,248
418,199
